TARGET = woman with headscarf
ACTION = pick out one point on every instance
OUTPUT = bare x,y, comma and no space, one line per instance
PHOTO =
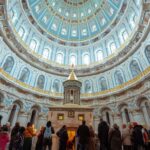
92,142
115,141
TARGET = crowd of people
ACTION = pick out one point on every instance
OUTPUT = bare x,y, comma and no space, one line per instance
131,137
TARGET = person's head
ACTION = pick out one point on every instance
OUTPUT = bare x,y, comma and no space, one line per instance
17,124
124,126
48,124
21,130
29,124
101,119
5,128
83,122
115,126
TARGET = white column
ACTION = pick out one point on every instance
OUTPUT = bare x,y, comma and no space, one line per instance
146,117
123,117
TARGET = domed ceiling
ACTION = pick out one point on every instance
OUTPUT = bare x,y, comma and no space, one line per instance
86,33
74,20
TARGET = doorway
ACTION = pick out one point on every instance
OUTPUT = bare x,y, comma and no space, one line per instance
71,138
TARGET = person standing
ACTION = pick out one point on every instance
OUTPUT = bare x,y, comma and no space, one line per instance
4,138
137,137
92,139
83,133
47,139
114,138
103,130
18,140
126,138
14,132
28,134
39,143
63,138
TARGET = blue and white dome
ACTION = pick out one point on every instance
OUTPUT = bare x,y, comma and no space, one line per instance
80,32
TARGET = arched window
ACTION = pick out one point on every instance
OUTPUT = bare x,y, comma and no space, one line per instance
118,78
73,60
59,58
46,53
107,117
103,84
135,69
127,115
132,19
41,82
123,35
86,59
88,87
21,32
112,47
8,65
24,75
33,116
56,86
33,44
99,55
14,114
13,16
147,53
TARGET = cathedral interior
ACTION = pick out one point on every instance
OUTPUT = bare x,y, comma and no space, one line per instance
75,57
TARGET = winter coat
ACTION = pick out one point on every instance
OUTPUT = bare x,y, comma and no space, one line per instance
126,137
4,139
115,141
83,134
29,132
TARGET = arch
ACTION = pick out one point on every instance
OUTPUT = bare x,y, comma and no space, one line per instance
41,81
14,113
103,84
118,77
123,35
24,76
59,58
86,59
125,113
99,55
106,115
73,59
111,47
46,52
33,44
21,32
132,18
8,64
134,68
56,86
147,53
35,110
88,86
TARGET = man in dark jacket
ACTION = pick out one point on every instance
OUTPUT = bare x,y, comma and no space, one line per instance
103,130
83,133
137,137
63,138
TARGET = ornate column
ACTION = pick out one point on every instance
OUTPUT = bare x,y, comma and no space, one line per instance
123,117
145,114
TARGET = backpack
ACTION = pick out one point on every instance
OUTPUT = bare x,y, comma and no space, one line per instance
47,132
